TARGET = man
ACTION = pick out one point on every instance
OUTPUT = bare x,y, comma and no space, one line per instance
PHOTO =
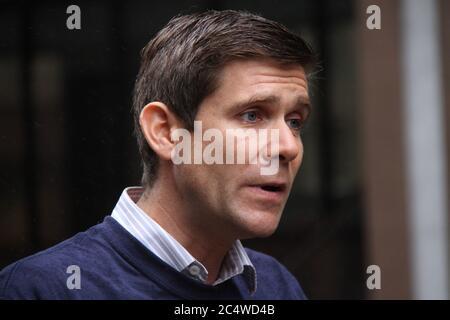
178,236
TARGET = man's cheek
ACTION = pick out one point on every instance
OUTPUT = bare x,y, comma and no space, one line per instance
299,160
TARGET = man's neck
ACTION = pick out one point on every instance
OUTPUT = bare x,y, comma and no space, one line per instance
170,211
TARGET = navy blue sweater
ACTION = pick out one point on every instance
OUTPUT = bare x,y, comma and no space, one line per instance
114,265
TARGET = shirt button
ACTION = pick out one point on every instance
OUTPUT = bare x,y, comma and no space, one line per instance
194,270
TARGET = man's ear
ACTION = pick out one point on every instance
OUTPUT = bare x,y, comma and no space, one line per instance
157,122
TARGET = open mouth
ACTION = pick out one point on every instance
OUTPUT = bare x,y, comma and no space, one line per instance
269,192
272,187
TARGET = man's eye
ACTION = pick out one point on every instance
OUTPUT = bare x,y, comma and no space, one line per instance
250,116
295,124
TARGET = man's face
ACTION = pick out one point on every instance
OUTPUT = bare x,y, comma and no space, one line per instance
235,198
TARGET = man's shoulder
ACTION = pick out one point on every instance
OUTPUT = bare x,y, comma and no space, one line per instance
274,277
48,270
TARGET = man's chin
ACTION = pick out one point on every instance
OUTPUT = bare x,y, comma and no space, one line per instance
262,227
258,234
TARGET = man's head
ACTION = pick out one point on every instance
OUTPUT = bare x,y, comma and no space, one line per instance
229,70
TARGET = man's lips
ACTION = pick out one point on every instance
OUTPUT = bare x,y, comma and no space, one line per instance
269,191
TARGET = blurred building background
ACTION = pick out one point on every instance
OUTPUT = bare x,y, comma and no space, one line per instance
373,186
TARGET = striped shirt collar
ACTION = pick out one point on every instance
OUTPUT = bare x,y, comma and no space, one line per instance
169,250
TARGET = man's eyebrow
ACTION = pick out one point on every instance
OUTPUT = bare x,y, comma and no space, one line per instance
302,101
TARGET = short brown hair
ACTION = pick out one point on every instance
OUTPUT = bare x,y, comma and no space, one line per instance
181,64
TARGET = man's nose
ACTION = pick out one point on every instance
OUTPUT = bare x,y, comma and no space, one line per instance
289,143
